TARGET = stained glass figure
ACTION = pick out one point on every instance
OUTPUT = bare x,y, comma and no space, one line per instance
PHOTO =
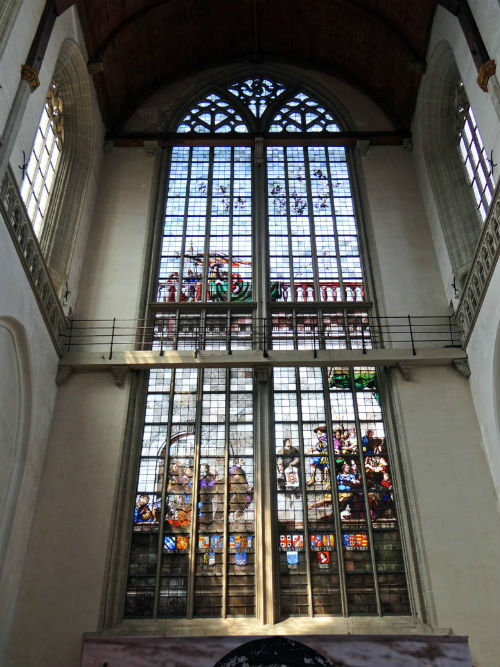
212,114
257,93
303,114
222,261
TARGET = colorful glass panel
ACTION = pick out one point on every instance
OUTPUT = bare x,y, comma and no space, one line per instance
334,488
313,246
194,542
207,232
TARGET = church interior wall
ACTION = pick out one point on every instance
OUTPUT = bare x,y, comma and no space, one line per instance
408,279
455,504
16,49
65,568
40,359
480,348
448,436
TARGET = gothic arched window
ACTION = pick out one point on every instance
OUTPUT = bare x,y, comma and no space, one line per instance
473,153
43,162
248,466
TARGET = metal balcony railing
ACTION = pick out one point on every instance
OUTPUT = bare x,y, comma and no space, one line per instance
241,331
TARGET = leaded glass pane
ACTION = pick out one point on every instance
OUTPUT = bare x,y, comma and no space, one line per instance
303,114
193,540
473,154
257,93
42,165
337,521
212,114
191,461
313,247
208,226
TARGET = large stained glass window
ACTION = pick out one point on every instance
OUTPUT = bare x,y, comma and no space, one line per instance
207,239
340,550
313,237
260,251
193,537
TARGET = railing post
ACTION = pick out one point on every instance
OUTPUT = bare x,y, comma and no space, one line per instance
451,331
70,332
228,333
363,337
112,338
162,321
411,336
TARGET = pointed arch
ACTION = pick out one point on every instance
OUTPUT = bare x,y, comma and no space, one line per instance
302,113
63,216
457,210
212,114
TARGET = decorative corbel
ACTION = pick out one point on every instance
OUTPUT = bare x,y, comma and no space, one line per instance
119,374
262,374
151,148
63,374
31,76
363,146
486,70
462,367
408,144
405,370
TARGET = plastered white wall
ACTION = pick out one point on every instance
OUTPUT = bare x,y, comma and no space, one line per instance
456,504
18,302
446,27
61,590
113,273
407,275
75,511
484,376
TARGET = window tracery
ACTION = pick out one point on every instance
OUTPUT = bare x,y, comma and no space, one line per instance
257,93
212,114
43,162
194,533
303,114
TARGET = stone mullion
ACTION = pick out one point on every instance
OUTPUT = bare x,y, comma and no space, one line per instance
310,206
335,230
225,539
208,217
195,493
184,225
365,491
303,490
163,500
293,296
335,494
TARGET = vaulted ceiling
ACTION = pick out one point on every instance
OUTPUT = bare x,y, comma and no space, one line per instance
136,46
